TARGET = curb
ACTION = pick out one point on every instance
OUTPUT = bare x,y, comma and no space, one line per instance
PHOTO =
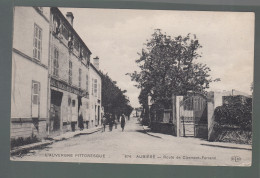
26,148
150,134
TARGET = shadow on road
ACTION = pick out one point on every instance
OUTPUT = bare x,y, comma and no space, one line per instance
145,132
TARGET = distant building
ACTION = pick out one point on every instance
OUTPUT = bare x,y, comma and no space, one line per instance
218,96
30,54
95,96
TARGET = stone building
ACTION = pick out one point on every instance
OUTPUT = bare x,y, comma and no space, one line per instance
69,76
55,88
30,51
95,108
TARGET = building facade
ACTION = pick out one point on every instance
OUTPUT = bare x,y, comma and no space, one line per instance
30,53
55,88
95,108
69,76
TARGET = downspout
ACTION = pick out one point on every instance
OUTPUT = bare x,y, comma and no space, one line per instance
48,81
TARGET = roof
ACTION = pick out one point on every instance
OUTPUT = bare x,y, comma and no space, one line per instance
95,69
55,9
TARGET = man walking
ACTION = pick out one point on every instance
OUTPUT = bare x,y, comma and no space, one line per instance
123,122
104,122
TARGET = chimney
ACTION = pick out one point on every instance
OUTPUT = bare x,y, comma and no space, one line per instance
96,62
70,18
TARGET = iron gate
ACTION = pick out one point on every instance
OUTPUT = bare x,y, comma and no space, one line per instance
193,115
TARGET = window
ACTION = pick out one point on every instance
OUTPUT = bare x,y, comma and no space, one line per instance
95,87
35,94
76,44
56,62
99,91
92,86
70,41
70,72
69,101
87,82
80,78
73,103
56,25
65,32
37,42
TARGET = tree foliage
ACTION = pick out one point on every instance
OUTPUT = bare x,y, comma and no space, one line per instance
167,66
114,99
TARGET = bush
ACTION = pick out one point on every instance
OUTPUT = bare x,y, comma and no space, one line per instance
233,121
235,114
23,141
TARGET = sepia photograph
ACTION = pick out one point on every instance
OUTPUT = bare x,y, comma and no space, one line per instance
132,86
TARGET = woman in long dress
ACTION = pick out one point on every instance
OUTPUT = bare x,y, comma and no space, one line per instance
123,122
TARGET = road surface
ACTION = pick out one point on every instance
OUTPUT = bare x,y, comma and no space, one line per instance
134,145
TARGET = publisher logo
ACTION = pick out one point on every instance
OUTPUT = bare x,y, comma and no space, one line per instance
236,158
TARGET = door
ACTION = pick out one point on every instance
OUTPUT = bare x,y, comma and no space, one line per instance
35,99
98,114
55,120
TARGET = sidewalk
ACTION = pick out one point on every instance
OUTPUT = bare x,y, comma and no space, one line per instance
70,134
50,140
197,140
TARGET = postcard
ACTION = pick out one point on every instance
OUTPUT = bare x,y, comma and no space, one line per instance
132,86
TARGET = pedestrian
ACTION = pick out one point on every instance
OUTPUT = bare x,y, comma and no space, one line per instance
123,122
115,121
111,122
104,122
80,119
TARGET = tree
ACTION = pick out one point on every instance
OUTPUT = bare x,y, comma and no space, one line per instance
114,99
167,67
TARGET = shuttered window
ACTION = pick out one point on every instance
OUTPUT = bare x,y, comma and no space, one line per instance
70,72
80,78
99,91
37,42
56,62
35,94
87,82
95,87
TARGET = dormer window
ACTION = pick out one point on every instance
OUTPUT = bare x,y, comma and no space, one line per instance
70,42
88,60
57,25
65,32
81,53
76,44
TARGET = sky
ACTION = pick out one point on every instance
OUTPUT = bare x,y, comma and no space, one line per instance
117,35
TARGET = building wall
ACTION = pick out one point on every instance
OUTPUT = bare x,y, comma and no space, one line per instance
68,112
26,69
23,73
94,99
218,96
23,31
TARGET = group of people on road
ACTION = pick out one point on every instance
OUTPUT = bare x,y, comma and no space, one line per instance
111,121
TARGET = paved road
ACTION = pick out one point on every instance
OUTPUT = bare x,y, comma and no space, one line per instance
135,146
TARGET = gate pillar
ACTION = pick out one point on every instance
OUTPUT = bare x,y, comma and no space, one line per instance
179,99
210,116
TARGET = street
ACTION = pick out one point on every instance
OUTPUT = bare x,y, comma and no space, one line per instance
134,145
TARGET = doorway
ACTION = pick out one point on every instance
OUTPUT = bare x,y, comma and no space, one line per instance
55,112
